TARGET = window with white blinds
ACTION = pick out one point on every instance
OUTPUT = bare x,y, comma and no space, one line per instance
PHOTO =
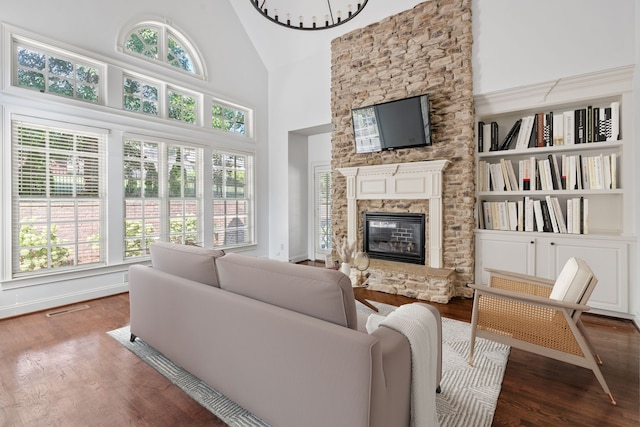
57,197
162,194
322,209
233,219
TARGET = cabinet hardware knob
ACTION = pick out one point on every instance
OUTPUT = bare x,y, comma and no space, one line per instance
532,242
552,243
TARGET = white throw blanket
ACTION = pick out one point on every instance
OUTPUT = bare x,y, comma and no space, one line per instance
420,327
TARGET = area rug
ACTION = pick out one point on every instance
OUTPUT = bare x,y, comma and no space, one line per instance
468,398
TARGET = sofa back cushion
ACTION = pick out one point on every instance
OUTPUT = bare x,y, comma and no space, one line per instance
318,292
574,283
190,262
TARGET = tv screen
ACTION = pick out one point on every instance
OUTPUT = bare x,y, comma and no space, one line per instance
390,125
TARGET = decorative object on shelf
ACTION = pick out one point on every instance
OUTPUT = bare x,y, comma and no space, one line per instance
361,263
309,15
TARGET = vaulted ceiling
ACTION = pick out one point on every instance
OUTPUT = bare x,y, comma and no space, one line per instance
279,46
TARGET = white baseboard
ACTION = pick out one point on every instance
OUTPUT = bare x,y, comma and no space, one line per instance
60,300
298,258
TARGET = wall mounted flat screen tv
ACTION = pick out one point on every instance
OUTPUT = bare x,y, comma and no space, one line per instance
390,125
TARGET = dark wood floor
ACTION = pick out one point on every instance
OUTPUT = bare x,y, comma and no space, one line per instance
66,371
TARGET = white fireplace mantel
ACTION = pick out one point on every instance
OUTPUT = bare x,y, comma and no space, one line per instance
415,180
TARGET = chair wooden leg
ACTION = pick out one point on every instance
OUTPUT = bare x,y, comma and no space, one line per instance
591,358
588,341
474,326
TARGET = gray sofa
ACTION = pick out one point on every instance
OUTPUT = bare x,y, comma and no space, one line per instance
282,340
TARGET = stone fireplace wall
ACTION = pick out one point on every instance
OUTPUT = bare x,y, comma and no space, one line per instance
423,50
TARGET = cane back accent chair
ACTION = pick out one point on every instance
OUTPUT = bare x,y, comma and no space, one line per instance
539,315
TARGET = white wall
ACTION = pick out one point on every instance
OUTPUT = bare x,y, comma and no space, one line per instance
517,43
298,192
301,96
235,73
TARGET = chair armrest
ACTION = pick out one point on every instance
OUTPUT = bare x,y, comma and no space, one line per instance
528,299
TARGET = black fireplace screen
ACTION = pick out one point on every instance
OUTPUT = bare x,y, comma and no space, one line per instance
395,236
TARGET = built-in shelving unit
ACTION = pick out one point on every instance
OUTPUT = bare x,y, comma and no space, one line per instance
602,231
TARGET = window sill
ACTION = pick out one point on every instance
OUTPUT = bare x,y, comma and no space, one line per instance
68,275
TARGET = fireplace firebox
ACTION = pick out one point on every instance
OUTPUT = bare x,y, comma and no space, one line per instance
394,236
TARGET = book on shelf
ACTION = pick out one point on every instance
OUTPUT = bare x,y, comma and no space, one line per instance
580,119
615,122
552,214
524,135
510,139
548,129
568,127
557,129
497,177
562,224
505,174
512,210
584,219
524,175
581,174
486,137
614,171
557,172
494,137
589,124
540,129
480,137
533,134
595,124
528,214
546,217
511,173
537,210
520,211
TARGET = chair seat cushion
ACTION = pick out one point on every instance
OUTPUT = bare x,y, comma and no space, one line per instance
572,282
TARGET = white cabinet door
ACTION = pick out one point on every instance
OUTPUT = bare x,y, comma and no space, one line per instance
505,252
607,259
545,255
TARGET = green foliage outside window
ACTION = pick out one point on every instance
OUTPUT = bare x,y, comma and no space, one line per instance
133,244
182,107
48,73
178,57
37,242
144,42
227,119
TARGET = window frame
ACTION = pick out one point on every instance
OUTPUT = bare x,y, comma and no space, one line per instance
49,200
249,198
163,200
164,32
318,170
48,50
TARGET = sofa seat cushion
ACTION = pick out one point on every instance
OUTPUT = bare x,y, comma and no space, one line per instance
187,261
319,292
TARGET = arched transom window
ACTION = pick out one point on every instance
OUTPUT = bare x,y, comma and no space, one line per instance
159,42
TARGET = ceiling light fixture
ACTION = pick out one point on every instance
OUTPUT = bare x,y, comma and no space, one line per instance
309,15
